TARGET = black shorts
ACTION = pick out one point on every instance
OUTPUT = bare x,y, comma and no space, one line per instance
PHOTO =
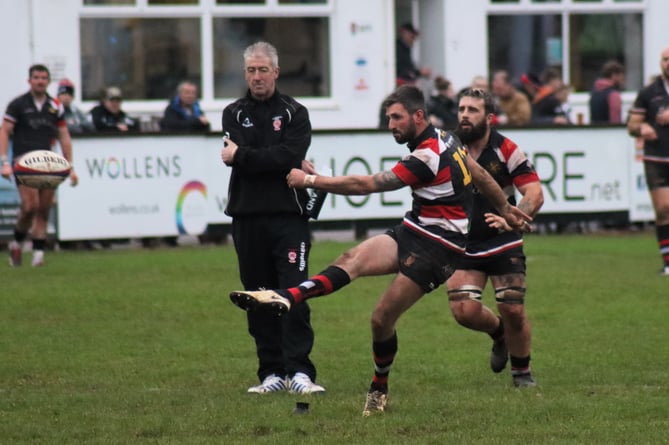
508,262
426,262
657,174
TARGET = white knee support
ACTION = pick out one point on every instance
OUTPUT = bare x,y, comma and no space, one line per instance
510,295
466,292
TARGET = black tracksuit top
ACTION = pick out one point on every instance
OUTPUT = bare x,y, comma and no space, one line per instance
273,136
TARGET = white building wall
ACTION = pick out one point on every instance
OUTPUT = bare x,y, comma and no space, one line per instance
453,42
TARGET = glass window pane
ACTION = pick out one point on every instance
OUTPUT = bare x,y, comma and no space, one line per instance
173,2
147,58
109,2
524,44
303,2
238,2
303,46
597,38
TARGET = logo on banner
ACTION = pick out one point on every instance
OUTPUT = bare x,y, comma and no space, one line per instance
191,210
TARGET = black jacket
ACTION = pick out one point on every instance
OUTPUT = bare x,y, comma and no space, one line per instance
273,136
176,118
104,120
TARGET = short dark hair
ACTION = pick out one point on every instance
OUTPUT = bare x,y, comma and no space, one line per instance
409,96
40,68
612,67
477,93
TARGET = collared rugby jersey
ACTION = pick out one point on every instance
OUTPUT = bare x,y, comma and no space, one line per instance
34,129
510,168
650,101
440,181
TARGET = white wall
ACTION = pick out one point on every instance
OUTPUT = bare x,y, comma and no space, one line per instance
453,42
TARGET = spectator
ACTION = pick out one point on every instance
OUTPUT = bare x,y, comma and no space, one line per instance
108,115
549,81
74,118
548,105
605,99
553,108
529,85
515,106
406,70
478,83
441,107
183,112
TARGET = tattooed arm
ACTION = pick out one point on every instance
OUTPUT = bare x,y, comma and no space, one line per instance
346,185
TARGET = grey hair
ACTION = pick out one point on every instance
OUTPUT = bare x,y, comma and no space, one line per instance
183,84
264,48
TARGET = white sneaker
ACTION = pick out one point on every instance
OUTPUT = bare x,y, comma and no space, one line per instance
300,383
38,258
664,271
272,383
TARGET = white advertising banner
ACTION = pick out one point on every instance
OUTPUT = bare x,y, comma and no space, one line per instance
143,186
165,185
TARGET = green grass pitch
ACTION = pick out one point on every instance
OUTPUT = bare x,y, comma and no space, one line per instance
144,346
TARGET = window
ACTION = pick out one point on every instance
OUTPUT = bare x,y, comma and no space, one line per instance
528,38
302,44
109,2
147,48
524,44
146,58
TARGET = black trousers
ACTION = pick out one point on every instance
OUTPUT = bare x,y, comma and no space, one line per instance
273,253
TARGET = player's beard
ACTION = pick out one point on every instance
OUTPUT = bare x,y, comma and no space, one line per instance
471,134
407,136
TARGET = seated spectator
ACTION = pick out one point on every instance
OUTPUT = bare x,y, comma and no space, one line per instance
605,98
552,108
477,83
529,85
183,112
442,109
514,105
74,118
108,115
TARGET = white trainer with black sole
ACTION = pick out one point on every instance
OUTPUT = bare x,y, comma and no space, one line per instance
271,383
300,383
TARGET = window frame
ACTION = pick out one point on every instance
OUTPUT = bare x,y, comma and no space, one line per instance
206,11
565,8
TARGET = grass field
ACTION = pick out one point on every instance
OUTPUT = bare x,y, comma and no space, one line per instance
144,346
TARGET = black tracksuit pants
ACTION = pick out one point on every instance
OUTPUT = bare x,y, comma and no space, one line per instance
273,253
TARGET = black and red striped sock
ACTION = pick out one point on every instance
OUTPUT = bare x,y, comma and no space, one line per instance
662,233
384,355
520,365
330,280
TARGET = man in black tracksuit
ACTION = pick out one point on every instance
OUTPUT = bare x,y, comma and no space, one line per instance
269,133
